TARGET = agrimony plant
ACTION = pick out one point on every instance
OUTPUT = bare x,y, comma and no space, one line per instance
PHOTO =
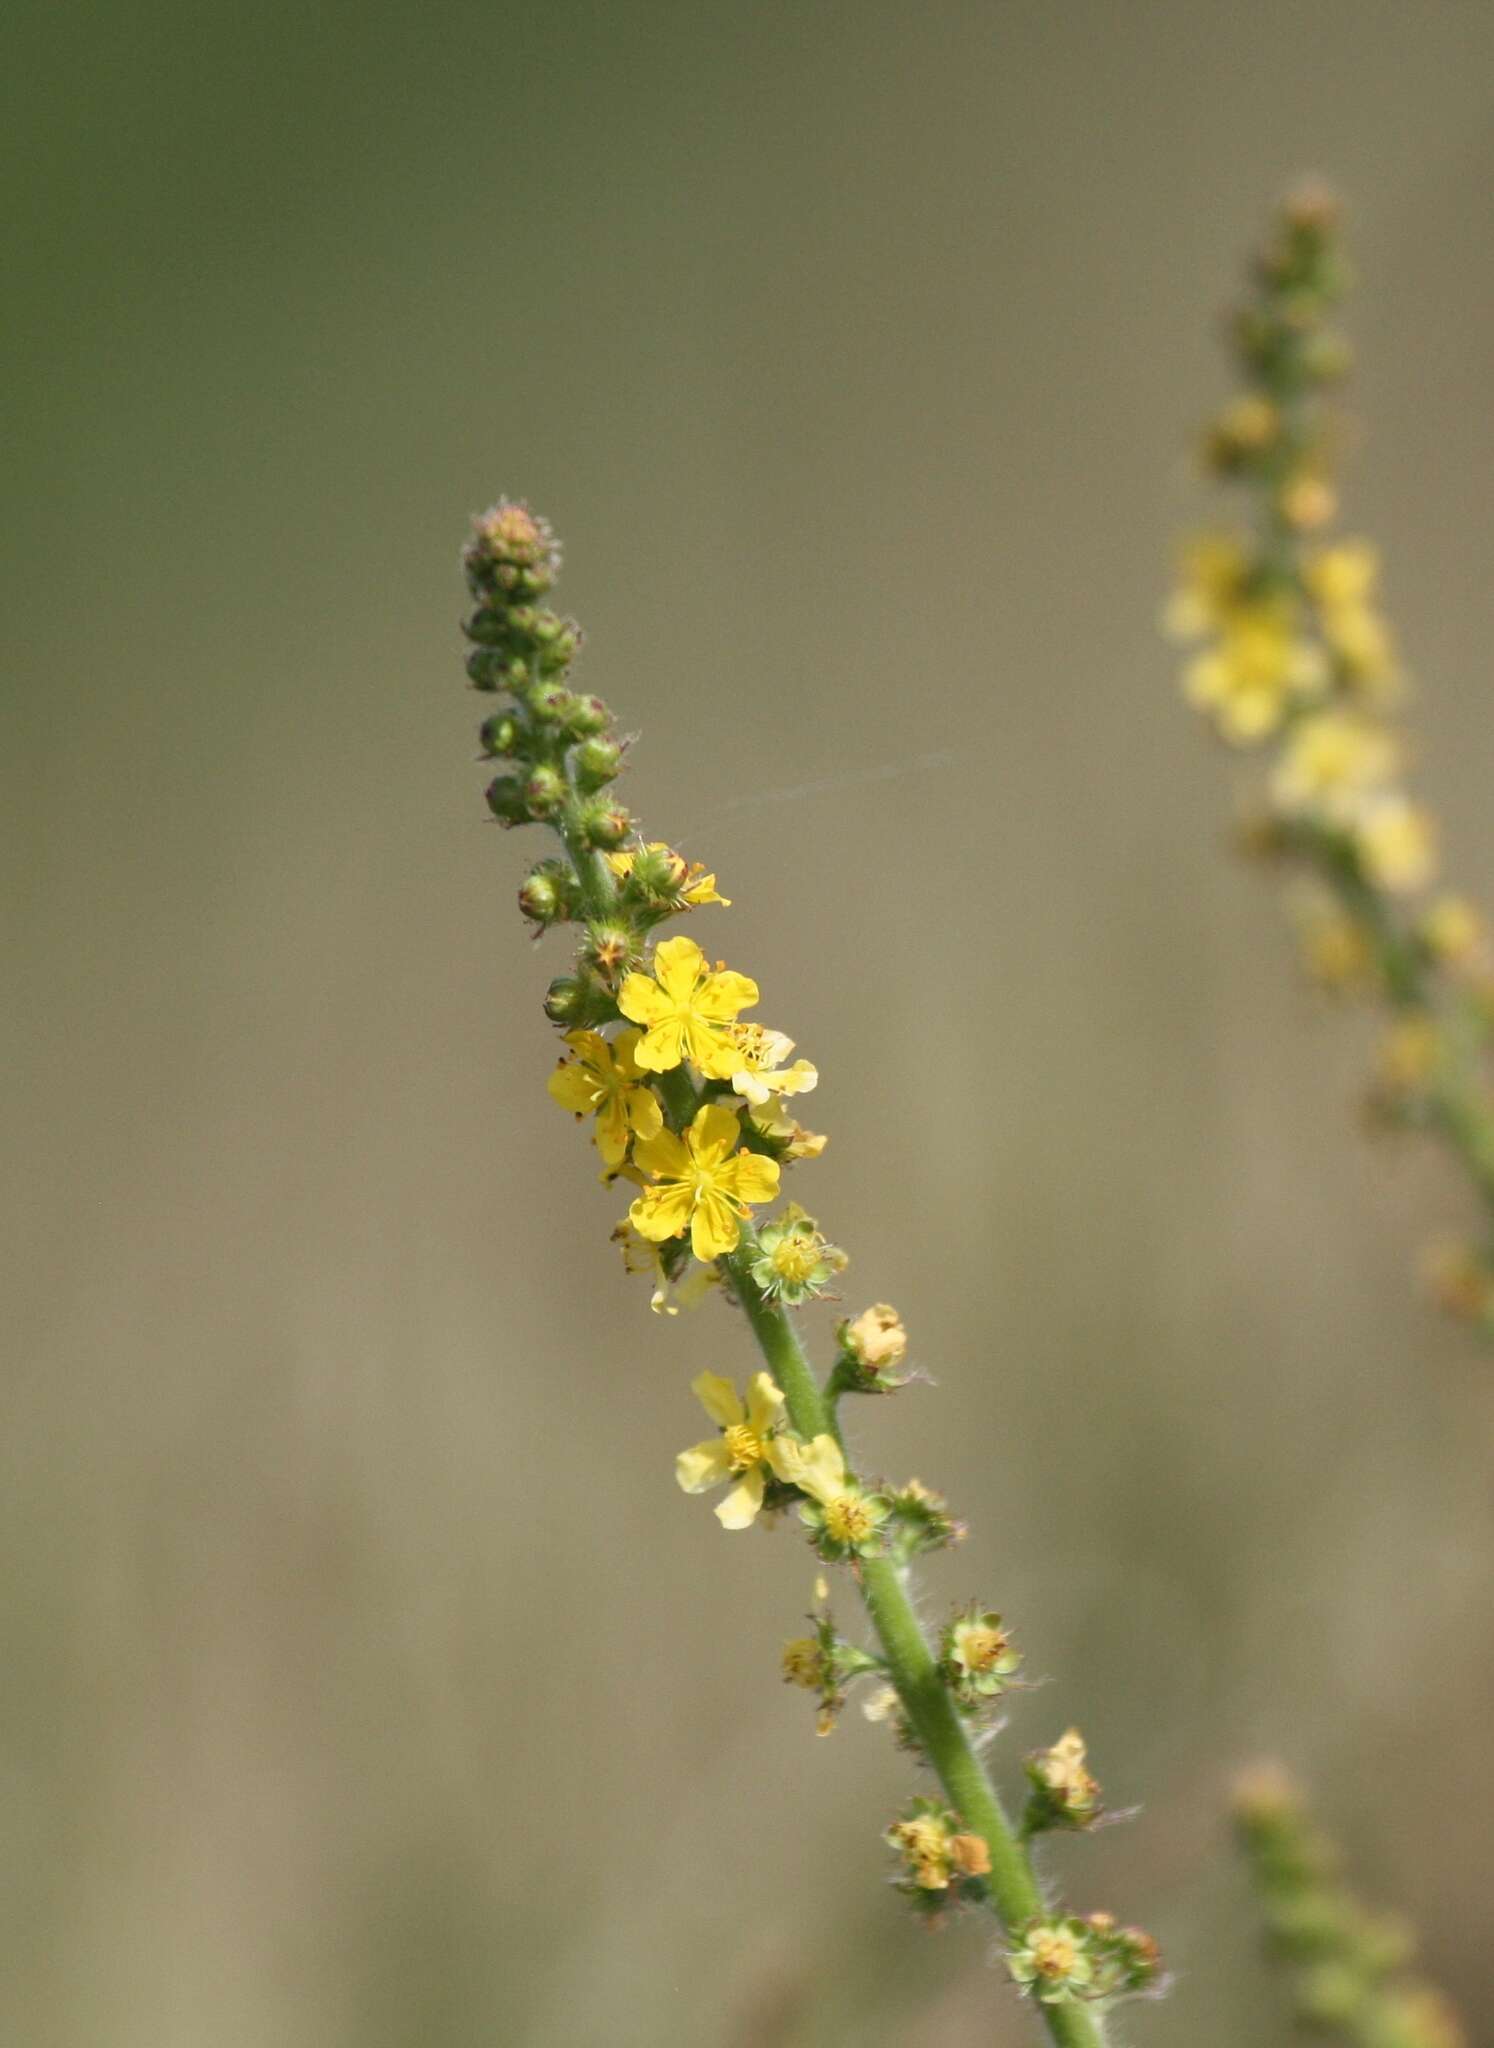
1293,662
692,1108
1350,1970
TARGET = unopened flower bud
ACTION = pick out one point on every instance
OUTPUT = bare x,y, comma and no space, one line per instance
486,628
550,702
545,791
573,999
501,735
488,668
514,548
507,801
587,715
612,949
547,894
596,762
605,824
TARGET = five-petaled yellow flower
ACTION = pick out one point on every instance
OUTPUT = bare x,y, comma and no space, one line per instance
740,1452
704,1184
686,1011
603,1080
761,1072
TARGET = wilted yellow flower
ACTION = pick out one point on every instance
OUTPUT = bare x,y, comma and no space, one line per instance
1396,844
686,1010
1067,1792
760,1072
1330,761
876,1337
604,1081
704,1184
1259,666
740,1452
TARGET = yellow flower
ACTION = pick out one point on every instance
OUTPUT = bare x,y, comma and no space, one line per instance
686,1010
703,1184
1330,761
603,1080
1342,576
740,1452
1396,844
689,878
1258,667
1452,930
772,1119
760,1071
1213,581
847,1521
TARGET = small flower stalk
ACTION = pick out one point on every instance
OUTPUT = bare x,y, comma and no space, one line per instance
1291,661
1350,1971
689,1105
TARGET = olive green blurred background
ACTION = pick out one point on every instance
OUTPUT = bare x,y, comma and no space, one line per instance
366,1679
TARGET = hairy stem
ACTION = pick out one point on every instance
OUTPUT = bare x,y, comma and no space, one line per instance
1014,1890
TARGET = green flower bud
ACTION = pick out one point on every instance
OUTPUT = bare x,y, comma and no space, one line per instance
545,791
612,949
501,735
578,999
513,548
561,648
587,715
548,895
551,701
606,824
596,762
487,667
507,801
487,628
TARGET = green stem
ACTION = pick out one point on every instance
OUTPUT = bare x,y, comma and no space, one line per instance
945,1740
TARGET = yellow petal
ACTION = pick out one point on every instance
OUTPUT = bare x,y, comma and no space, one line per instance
661,1212
662,1047
709,1047
677,965
713,1134
663,1153
623,1047
643,1001
739,1509
749,1177
751,1087
714,1230
764,1403
573,1088
795,1080
703,1465
643,1111
722,995
719,1398
589,1046
822,1469
612,1130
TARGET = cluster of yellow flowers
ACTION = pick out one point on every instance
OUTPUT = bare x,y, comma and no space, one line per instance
690,1101
1290,652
